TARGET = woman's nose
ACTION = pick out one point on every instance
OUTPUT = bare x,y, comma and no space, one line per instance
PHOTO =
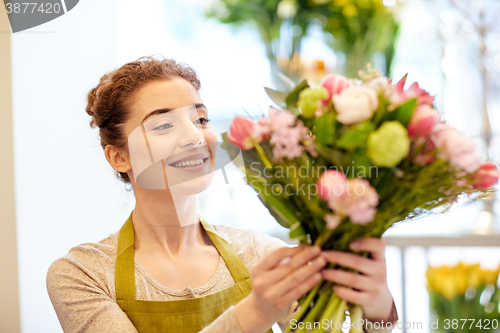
191,136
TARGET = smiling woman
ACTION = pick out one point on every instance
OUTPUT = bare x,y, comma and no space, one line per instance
166,269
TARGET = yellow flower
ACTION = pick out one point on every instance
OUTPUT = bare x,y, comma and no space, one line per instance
365,3
341,3
350,10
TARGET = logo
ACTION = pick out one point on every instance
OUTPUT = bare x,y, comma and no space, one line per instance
28,14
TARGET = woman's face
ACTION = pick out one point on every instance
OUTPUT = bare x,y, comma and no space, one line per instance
170,117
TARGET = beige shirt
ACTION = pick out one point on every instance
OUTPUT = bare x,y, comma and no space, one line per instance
81,284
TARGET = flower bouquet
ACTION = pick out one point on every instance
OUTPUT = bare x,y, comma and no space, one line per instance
347,160
464,298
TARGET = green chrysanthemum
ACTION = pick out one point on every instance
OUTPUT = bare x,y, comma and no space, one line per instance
388,145
308,100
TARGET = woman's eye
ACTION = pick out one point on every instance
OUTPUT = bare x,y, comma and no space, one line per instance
202,121
162,127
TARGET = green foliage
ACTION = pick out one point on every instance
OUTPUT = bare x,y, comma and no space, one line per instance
293,97
324,128
355,136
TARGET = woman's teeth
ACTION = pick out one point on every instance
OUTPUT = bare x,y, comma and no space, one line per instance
188,163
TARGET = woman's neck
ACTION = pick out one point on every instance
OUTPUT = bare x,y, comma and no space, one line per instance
160,224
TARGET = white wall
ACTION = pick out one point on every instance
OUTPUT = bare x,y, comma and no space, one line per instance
65,192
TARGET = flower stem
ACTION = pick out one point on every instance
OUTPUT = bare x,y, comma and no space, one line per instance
304,305
338,316
329,311
316,309
262,155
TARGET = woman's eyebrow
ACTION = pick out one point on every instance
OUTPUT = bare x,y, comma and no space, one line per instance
165,110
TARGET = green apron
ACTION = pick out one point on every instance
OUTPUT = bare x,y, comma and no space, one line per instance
179,316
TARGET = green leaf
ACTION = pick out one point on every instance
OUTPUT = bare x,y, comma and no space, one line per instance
293,97
404,112
278,206
287,82
361,164
297,231
277,97
356,135
324,128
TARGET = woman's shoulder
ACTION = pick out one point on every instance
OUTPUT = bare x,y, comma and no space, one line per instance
88,261
249,242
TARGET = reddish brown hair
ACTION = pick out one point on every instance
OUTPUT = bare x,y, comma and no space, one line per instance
109,102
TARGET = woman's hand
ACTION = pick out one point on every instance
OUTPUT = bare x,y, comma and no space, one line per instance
368,286
278,280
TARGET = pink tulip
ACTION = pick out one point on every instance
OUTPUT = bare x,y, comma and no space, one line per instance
423,121
423,97
487,176
400,96
243,132
334,83
331,184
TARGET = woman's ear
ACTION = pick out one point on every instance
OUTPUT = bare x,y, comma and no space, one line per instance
118,158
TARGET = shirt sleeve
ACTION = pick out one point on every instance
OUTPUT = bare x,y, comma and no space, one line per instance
371,327
81,303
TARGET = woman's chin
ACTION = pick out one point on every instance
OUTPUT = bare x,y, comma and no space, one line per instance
191,187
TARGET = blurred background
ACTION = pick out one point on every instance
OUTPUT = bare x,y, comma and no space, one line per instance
59,191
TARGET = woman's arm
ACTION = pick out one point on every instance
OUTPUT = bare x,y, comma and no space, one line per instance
81,302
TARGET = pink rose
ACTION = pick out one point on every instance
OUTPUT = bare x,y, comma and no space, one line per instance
334,83
331,184
487,176
422,122
457,147
243,132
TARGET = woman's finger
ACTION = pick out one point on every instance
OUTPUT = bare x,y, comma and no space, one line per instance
299,259
375,246
297,277
275,257
351,296
350,260
350,279
297,292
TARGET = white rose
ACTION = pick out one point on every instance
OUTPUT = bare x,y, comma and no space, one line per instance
355,104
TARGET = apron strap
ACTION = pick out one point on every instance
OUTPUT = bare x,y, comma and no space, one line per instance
233,261
125,269
124,266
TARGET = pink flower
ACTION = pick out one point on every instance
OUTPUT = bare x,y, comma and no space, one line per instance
286,141
243,132
400,96
332,221
422,122
334,83
359,202
331,185
487,176
427,155
423,97
456,147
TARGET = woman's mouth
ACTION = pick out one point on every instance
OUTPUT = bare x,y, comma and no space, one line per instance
189,163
